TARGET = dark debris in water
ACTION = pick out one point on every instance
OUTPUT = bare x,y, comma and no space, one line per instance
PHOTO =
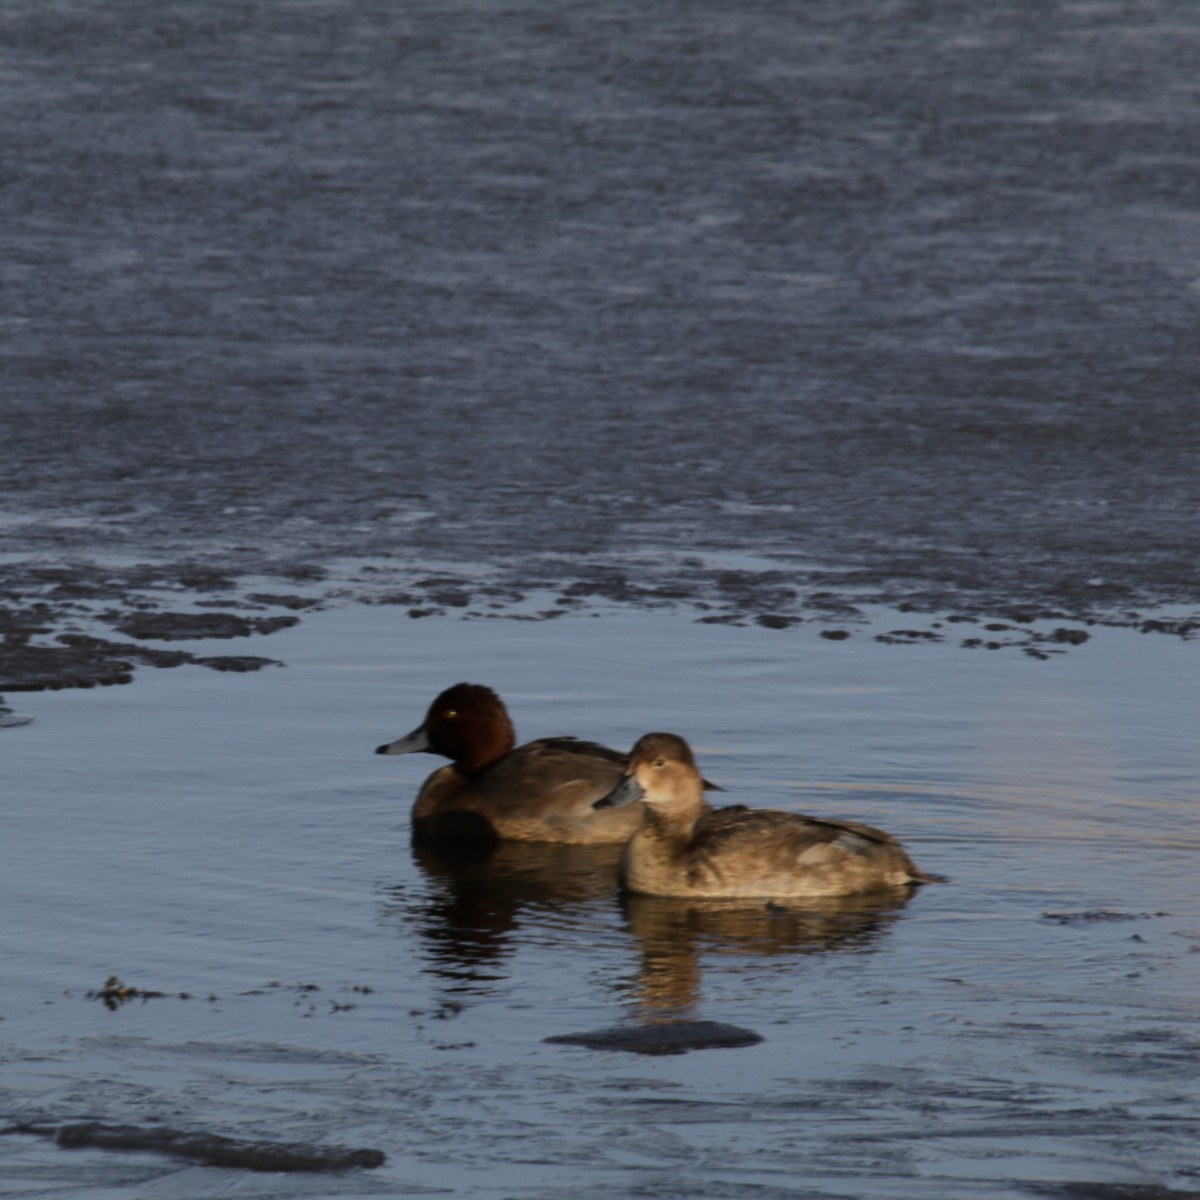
674,1037
776,621
116,992
238,663
1096,916
209,1149
908,637
294,602
1182,628
1029,641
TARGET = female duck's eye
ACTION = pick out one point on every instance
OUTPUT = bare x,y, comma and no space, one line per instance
450,714
660,762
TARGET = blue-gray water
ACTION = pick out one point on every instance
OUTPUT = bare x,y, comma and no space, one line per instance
1031,1021
709,330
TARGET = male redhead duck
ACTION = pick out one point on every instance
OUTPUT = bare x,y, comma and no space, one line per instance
543,791
686,848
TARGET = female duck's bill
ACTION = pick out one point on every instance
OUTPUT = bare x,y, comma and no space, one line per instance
686,848
543,791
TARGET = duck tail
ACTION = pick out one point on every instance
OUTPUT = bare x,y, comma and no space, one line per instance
916,875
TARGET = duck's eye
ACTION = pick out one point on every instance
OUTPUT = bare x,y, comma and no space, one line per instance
450,714
660,762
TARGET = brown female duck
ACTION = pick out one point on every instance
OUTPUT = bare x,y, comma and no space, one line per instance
543,791
686,848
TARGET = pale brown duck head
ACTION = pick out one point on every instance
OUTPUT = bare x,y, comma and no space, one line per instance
661,771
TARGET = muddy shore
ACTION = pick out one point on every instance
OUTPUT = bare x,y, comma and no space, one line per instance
766,316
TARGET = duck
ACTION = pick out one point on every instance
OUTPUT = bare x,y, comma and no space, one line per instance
495,790
685,848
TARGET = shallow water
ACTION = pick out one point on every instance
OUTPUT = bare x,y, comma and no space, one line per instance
1029,1022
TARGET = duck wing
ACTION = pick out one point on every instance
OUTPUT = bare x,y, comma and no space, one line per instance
565,747
787,851
739,824
550,765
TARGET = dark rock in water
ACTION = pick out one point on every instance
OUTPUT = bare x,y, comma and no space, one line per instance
675,1037
207,1148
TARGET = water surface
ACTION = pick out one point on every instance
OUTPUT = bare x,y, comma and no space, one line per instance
709,330
1029,1022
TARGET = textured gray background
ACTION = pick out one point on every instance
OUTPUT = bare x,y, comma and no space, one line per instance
899,299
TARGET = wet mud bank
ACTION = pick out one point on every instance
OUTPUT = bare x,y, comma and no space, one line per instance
36,656
56,623
765,315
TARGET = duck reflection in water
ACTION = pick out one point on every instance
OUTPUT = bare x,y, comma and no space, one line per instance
486,901
484,894
674,936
